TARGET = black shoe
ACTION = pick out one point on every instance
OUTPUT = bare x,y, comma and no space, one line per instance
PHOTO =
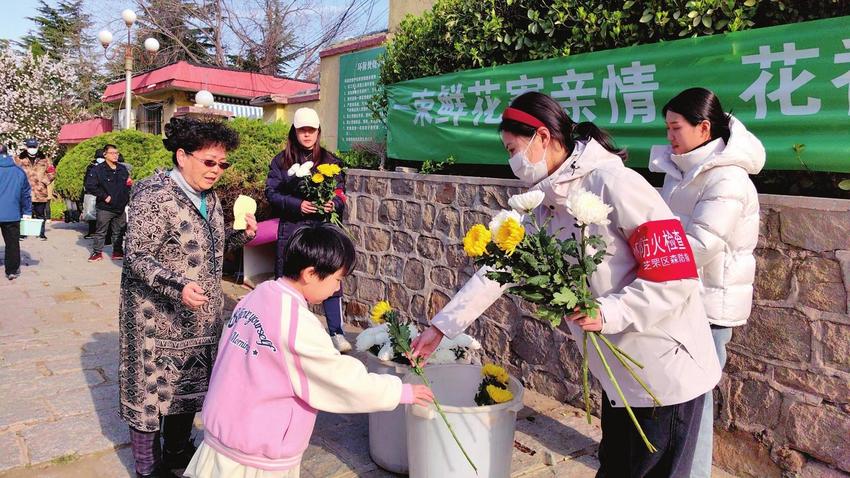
87,236
43,238
176,461
160,472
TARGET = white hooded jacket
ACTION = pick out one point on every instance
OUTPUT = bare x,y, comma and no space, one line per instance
660,324
710,191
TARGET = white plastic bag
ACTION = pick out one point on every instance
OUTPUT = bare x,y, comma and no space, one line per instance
89,208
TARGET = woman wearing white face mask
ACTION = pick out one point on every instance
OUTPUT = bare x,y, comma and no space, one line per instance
653,313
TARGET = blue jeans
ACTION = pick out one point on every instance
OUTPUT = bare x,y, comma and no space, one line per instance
702,456
333,314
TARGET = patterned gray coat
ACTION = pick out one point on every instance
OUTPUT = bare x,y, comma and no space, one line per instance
167,348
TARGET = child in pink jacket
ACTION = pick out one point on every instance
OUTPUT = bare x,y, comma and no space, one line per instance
276,368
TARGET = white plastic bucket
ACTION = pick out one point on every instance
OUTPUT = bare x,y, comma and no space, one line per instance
387,432
31,227
487,433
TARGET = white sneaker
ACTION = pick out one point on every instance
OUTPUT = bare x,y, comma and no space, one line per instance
340,343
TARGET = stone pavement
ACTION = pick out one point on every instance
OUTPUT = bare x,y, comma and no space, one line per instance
59,393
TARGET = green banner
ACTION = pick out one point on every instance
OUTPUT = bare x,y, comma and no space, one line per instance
358,77
790,85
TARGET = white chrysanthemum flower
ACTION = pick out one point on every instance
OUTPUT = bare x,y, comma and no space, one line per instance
446,343
364,342
526,202
588,208
372,336
386,352
300,170
467,341
500,218
444,355
414,332
382,338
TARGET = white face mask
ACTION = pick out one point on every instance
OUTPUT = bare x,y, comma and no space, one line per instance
32,151
527,172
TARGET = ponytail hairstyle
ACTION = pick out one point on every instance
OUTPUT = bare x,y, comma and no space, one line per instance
545,111
701,104
293,150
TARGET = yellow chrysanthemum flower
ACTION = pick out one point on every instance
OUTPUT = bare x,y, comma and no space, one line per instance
380,309
496,372
509,235
476,240
499,395
329,170
318,177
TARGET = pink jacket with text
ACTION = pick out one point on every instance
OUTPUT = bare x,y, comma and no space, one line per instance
276,368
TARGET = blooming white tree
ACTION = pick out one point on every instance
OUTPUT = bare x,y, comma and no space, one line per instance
37,98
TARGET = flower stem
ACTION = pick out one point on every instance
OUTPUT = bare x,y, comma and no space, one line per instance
649,445
419,371
620,356
584,381
620,352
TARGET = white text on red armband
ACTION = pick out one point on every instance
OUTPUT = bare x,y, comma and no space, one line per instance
662,251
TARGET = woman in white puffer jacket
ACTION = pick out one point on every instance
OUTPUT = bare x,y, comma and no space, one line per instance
707,185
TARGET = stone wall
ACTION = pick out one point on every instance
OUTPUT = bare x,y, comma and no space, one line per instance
783,405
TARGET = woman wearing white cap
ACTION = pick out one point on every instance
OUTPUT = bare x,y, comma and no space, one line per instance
284,194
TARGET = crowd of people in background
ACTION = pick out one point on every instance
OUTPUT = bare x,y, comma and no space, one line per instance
25,182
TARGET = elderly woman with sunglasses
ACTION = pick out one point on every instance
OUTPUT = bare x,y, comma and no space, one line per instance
171,298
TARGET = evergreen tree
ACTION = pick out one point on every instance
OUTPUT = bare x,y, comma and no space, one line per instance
174,24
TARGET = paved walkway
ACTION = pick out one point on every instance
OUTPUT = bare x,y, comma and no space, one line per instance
59,392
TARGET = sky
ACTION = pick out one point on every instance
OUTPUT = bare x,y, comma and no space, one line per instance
107,14
16,25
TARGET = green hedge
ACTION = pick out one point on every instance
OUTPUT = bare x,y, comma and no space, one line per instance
259,143
142,150
460,35
464,34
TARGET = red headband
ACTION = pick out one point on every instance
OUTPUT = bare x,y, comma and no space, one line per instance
522,117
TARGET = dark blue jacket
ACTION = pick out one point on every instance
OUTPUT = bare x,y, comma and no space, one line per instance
15,192
285,196
103,181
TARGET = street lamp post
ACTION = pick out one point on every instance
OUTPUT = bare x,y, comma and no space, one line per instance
151,46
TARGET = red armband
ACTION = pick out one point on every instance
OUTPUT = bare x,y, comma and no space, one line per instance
662,251
341,195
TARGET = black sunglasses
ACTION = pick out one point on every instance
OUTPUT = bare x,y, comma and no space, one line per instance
210,163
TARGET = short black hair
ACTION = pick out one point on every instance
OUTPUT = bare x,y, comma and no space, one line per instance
3,149
322,246
107,147
191,134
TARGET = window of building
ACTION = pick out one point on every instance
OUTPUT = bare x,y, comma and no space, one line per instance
149,118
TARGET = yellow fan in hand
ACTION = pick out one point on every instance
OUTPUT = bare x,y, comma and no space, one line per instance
243,206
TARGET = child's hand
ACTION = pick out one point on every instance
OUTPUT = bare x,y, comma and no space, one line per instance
422,395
